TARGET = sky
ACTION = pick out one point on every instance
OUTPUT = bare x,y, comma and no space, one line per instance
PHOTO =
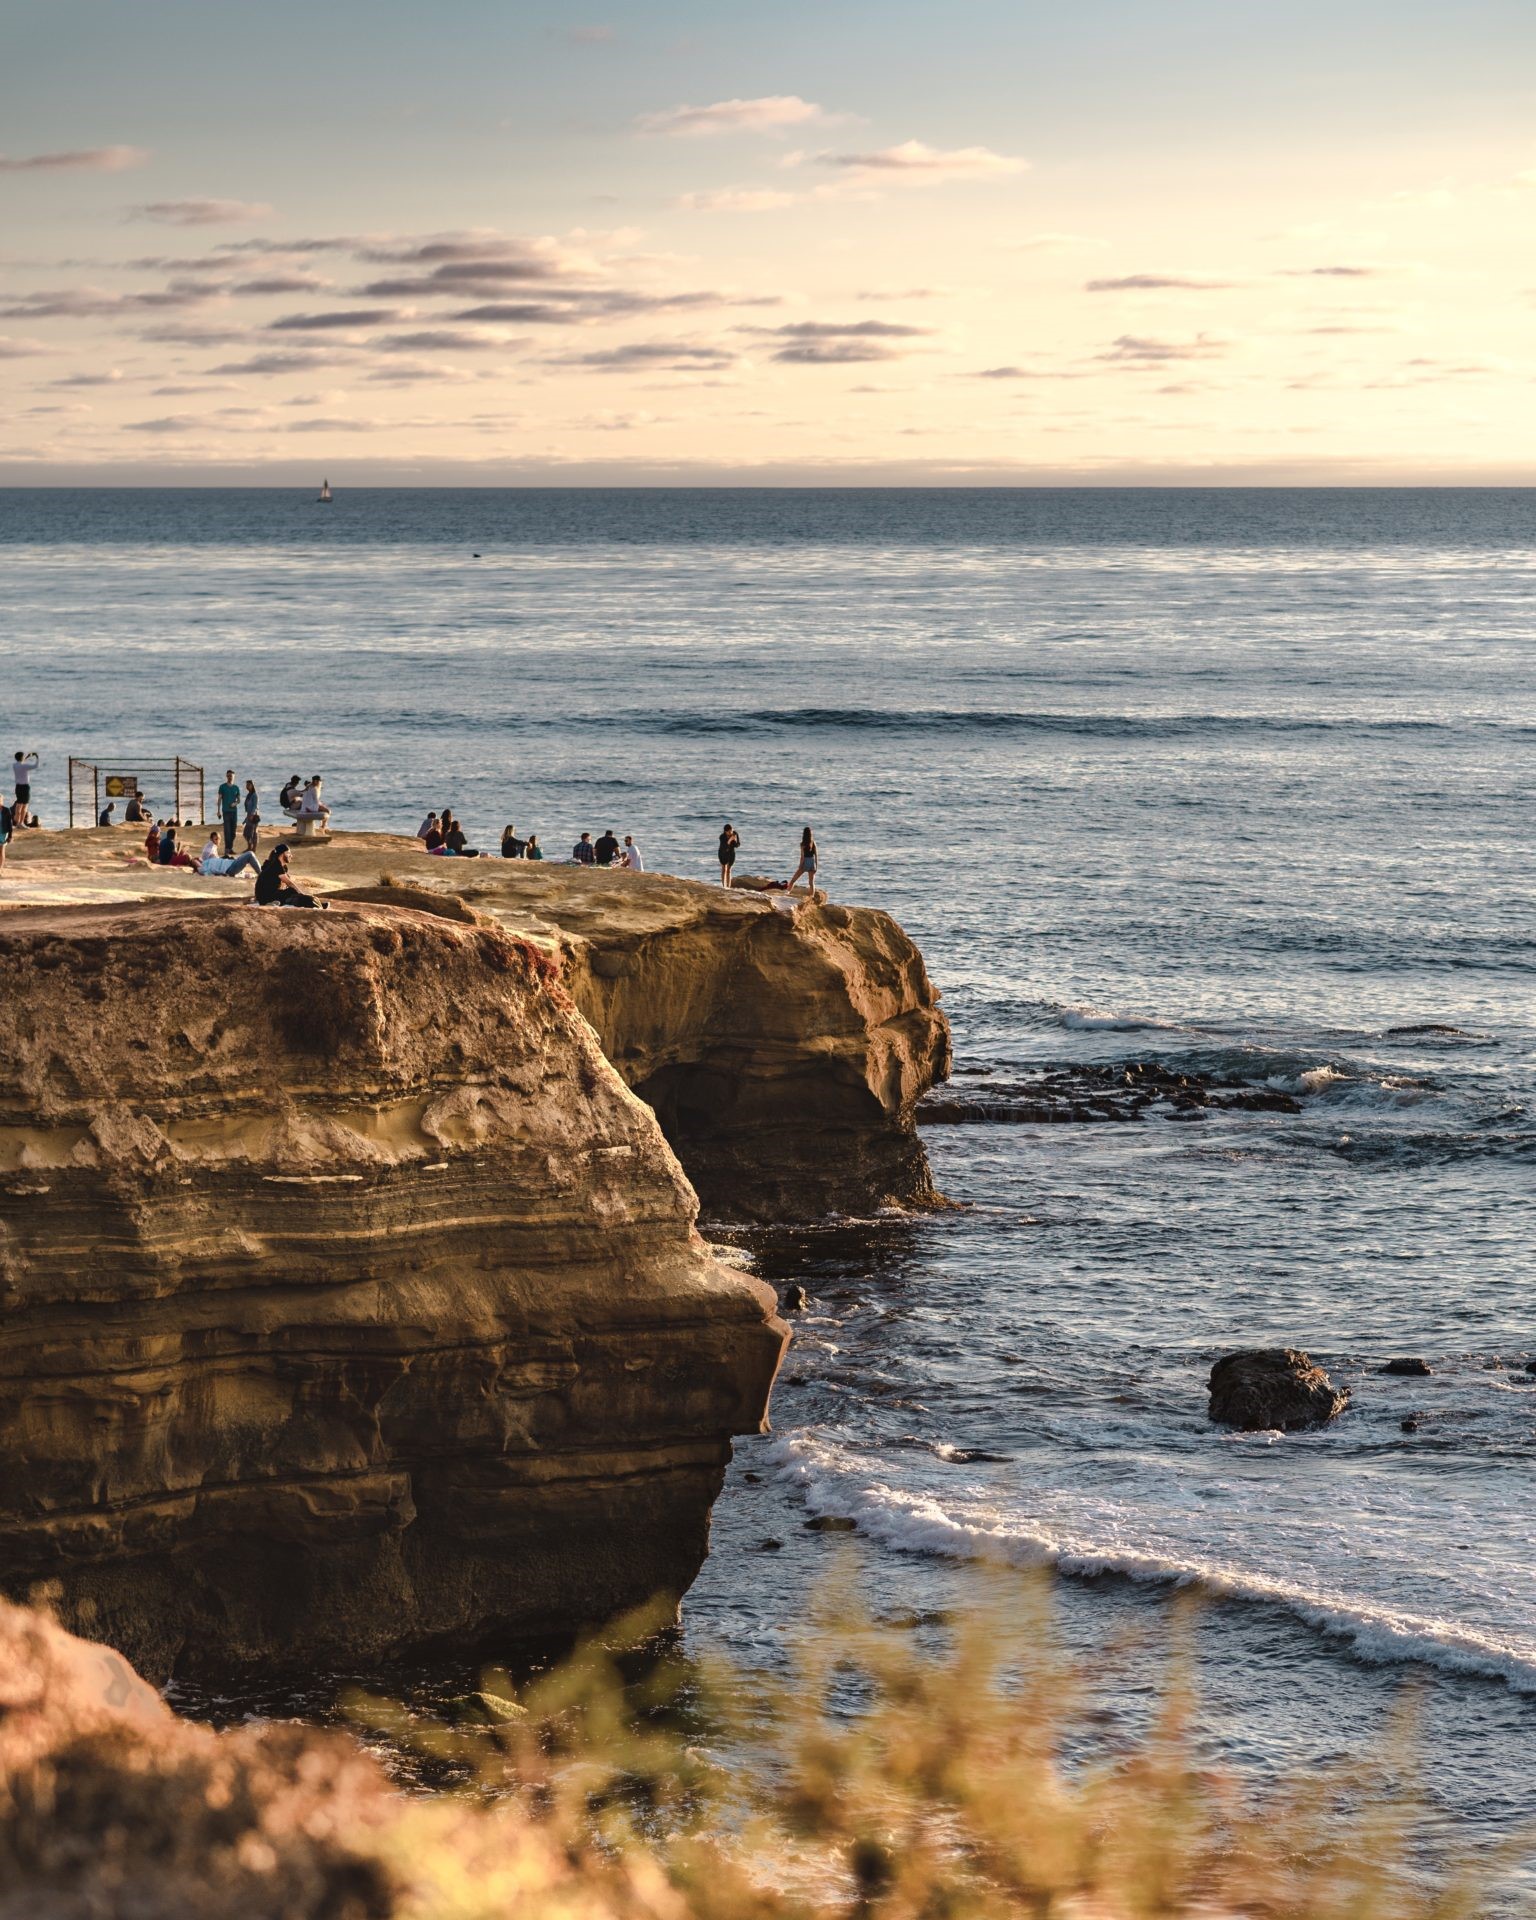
817,242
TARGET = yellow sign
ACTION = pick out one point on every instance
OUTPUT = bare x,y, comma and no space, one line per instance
119,785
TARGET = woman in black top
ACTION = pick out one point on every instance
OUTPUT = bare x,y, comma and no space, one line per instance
807,864
730,840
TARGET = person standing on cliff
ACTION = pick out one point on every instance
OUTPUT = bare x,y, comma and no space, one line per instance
252,828
23,773
730,840
229,811
807,864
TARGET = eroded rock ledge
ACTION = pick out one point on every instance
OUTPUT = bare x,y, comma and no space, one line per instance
351,1303
783,1048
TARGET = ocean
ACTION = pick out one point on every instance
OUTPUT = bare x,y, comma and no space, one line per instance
1229,786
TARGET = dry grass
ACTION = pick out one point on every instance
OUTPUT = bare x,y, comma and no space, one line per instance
892,1783
879,1782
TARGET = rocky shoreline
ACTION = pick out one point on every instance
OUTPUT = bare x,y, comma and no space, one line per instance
354,1305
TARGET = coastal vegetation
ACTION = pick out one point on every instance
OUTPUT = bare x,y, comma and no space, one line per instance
888,1775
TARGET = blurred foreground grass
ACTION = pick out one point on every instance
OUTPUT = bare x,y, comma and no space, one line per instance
889,1782
882,1778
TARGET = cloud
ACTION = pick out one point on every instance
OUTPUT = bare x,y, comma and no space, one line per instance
1332,273
12,348
331,322
577,307
1136,350
586,36
81,159
442,340
833,353
108,379
281,283
914,160
280,363
655,356
840,330
1155,283
735,200
71,303
201,213
1005,373
167,423
770,114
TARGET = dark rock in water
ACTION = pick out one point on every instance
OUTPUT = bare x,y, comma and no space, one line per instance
1265,1387
1411,1365
1083,1093
753,1479
831,1523
1530,1366
795,1300
769,1546
1411,1424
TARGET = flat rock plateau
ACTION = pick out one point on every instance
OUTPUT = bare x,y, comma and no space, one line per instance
351,1299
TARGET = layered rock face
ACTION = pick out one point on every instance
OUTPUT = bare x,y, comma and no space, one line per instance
351,1304
784,1050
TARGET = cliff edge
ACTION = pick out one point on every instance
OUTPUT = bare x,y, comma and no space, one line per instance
352,1303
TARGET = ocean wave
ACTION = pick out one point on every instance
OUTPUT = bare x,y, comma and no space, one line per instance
1086,1019
914,1522
992,722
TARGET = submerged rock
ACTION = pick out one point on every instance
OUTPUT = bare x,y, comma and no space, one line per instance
832,1523
1272,1387
351,1303
1410,1365
795,1300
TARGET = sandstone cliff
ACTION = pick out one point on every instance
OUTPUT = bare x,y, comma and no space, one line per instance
351,1303
783,1047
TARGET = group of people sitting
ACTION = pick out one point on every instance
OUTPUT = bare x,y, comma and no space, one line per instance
605,851
444,833
300,799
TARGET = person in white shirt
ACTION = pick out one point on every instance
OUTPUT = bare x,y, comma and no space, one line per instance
215,863
23,773
311,806
630,857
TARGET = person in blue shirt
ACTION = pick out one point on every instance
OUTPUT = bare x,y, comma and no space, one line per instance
229,808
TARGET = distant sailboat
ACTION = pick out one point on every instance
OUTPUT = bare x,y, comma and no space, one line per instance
325,493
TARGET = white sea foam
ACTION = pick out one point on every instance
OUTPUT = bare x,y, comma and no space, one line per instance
1093,1020
838,1482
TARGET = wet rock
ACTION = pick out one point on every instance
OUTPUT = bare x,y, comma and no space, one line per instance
1530,1366
831,1523
1272,1387
795,1300
1411,1365
1411,1424
769,1546
1083,1094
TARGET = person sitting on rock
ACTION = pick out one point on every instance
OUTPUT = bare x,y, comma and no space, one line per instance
104,818
606,849
152,842
311,806
274,888
137,814
630,858
427,826
583,853
456,841
511,847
